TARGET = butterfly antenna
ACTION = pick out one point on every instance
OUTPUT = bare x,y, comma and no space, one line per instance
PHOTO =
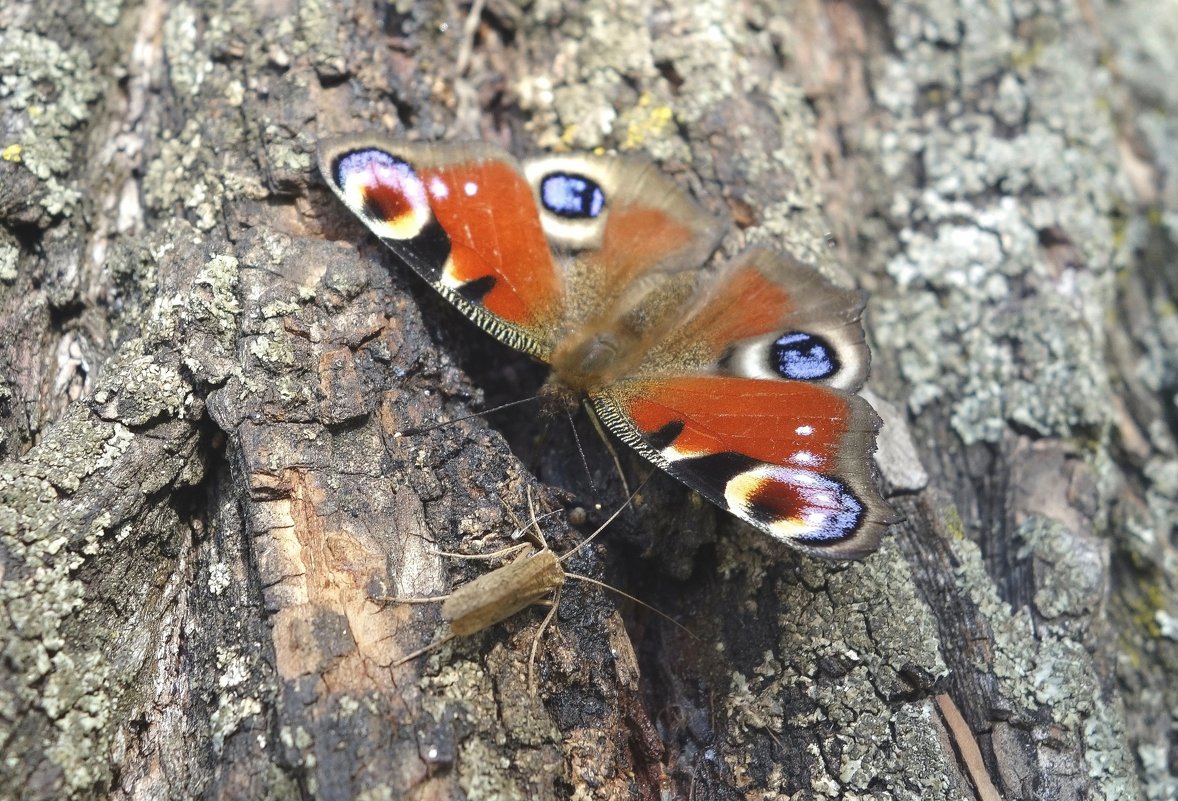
608,520
609,446
581,450
409,432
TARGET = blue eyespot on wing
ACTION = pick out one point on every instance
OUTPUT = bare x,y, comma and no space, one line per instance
802,356
571,196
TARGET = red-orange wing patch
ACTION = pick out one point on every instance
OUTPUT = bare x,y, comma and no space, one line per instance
786,456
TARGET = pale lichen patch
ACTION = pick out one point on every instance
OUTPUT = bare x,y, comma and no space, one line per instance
47,91
179,176
67,685
9,252
188,62
227,718
105,11
1026,210
273,344
220,577
220,307
1038,666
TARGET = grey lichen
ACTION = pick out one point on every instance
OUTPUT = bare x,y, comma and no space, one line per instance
188,61
67,685
464,689
105,11
9,253
1155,767
1044,667
1070,570
72,450
320,26
46,91
230,713
199,321
217,309
1040,199
1037,368
870,621
483,777
178,176
1142,34
273,344
1162,500
144,388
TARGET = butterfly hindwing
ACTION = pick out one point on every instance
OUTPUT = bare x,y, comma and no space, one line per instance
631,242
785,456
749,402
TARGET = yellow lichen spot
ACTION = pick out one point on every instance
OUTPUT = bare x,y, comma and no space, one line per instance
568,134
954,525
1027,58
11,153
648,121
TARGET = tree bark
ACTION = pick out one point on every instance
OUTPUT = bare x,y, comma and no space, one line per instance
205,363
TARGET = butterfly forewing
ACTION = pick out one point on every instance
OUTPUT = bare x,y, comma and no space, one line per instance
630,242
463,218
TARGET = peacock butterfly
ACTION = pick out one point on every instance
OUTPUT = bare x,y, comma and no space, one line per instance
739,380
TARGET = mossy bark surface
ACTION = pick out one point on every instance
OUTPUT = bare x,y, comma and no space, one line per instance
204,363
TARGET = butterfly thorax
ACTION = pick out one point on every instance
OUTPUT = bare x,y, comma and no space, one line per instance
591,358
585,362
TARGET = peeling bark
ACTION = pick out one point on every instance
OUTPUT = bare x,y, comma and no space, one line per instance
204,363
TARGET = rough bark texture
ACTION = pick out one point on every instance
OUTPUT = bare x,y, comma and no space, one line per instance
203,361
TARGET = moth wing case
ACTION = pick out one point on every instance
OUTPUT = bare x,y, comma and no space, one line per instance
496,596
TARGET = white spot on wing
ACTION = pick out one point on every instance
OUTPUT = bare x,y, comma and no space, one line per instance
438,188
804,431
804,457
673,454
471,188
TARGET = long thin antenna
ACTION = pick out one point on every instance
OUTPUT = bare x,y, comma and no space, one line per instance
608,520
609,446
408,432
628,596
581,450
